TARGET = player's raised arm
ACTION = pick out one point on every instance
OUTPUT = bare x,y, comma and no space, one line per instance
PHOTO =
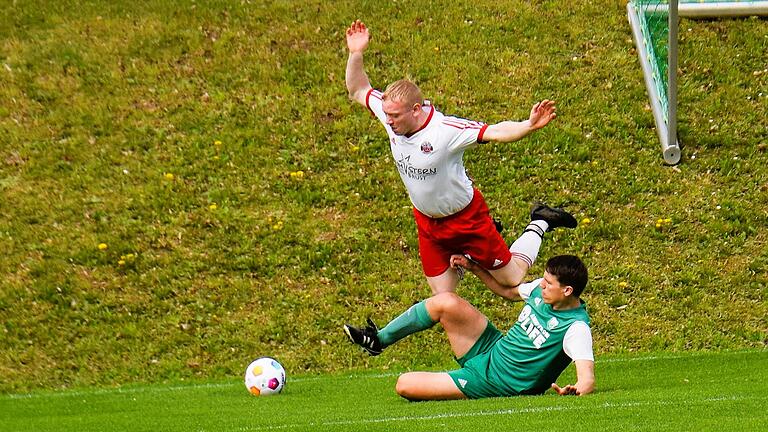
508,131
355,77
585,380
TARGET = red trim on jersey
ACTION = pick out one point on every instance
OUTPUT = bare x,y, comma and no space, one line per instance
482,132
461,125
368,95
432,111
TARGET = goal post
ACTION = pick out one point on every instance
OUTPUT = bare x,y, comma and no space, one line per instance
654,26
655,38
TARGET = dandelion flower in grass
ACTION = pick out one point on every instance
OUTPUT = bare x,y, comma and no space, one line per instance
121,263
297,175
213,206
586,221
217,143
102,246
623,284
168,176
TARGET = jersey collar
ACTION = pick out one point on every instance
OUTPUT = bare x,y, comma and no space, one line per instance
426,122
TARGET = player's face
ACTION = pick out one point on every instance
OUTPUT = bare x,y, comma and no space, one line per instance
401,117
552,290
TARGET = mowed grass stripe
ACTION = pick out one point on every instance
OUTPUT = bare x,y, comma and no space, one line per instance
302,379
504,412
700,391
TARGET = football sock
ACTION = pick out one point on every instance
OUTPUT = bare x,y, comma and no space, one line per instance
415,319
526,247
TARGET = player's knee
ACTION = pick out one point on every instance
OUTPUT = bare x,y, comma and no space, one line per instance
445,301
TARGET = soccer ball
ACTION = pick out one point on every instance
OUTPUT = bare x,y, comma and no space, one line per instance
264,376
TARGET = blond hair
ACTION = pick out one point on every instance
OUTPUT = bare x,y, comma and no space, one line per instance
403,91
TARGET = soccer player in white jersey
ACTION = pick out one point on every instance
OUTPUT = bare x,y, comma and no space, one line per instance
551,332
428,147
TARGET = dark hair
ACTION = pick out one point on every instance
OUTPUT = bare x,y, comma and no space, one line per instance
569,270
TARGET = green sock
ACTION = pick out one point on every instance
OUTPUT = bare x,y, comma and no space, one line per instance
415,319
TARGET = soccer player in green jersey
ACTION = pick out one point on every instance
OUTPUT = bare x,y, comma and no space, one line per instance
551,331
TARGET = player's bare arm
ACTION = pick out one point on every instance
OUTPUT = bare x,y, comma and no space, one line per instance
509,131
508,292
355,77
585,380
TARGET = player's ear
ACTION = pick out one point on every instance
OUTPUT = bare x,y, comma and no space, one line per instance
568,290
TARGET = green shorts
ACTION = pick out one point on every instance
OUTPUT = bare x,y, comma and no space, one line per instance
471,378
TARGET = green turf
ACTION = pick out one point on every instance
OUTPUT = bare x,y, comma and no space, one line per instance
172,132
684,392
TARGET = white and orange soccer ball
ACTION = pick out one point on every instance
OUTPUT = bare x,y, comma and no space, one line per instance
264,377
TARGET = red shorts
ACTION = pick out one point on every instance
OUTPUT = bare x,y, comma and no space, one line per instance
471,231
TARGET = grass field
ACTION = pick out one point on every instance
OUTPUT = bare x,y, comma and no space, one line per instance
684,392
185,186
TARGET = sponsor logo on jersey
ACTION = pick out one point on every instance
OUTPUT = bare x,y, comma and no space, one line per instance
463,382
552,323
426,147
407,169
537,300
530,324
392,141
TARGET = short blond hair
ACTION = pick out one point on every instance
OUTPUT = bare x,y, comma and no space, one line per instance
403,91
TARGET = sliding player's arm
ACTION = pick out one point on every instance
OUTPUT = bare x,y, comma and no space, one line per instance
508,292
585,380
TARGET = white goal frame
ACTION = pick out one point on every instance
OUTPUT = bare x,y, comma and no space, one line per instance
667,130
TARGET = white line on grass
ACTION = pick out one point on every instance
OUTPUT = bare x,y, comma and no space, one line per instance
607,405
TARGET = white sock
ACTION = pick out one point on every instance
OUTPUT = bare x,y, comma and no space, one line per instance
526,247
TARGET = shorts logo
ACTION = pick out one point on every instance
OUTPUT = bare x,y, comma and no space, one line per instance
552,323
426,147
496,262
463,382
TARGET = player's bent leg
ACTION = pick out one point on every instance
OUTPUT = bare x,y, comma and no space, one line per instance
446,282
419,386
463,323
512,274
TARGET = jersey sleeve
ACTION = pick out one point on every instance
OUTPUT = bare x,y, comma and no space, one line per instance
465,133
577,343
374,104
526,289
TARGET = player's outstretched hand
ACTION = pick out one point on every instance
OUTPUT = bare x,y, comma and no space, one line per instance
542,113
567,390
357,37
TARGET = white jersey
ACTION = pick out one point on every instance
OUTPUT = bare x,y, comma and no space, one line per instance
430,160
577,343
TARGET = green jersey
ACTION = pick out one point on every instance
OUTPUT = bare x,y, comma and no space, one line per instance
531,357
527,360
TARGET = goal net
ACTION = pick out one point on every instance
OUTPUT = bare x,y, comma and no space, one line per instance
654,29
